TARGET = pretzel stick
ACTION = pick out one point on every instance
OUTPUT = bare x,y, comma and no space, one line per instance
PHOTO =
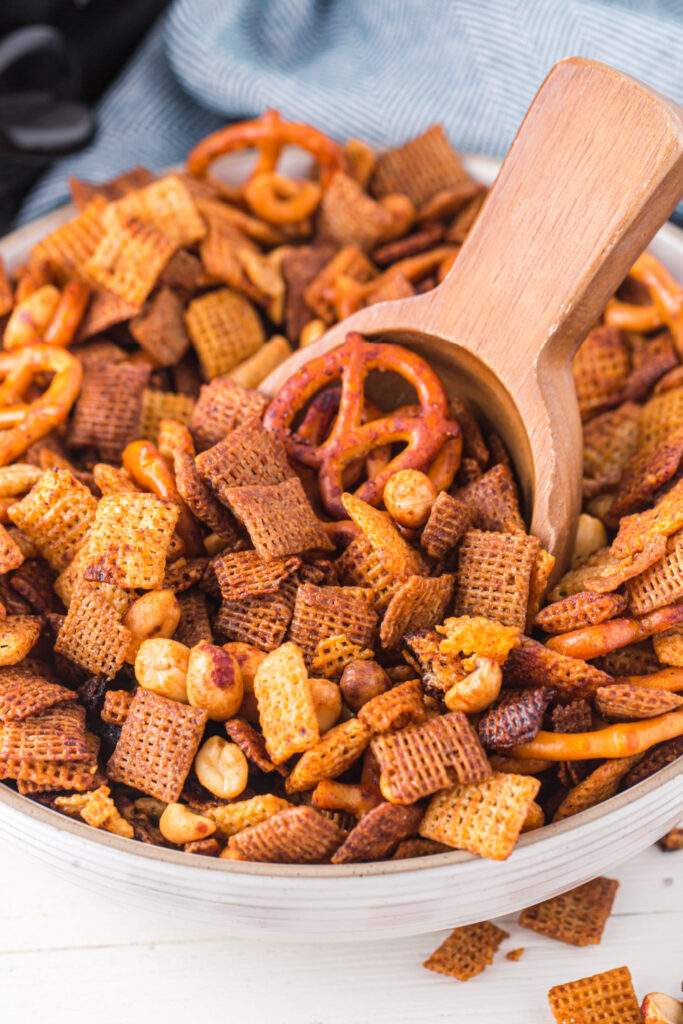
595,641
620,740
149,469
627,317
670,679
67,316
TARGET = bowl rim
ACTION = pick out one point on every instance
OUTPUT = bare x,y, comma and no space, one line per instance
132,851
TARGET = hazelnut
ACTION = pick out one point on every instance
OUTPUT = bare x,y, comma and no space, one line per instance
361,681
214,681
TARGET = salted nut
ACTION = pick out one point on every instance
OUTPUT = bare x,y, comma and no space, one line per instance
222,768
161,666
327,702
180,825
658,1008
214,681
591,535
361,681
408,497
478,690
156,613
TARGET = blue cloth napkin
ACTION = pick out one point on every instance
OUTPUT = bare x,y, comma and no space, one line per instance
382,70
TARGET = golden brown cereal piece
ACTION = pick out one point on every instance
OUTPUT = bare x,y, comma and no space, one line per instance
623,700
421,759
533,664
577,917
467,951
421,167
48,776
24,691
82,192
653,760
224,329
56,515
70,247
377,833
298,835
573,717
636,659
184,573
417,847
330,756
194,622
162,405
175,438
201,500
538,585
278,518
668,647
160,328
261,621
321,612
606,569
334,653
492,501
11,556
116,706
251,743
18,479
401,706
673,840
158,742
651,360
601,784
243,574
222,406
18,635
494,570
477,637
97,809
606,998
234,817
129,540
348,215
107,412
248,455
535,818
166,204
360,565
517,718
601,368
418,603
104,310
92,634
285,704
661,584
398,557
449,520
204,847
439,671
586,608
57,734
221,252
609,441
665,519
129,259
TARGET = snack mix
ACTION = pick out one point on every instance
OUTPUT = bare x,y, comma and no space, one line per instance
312,627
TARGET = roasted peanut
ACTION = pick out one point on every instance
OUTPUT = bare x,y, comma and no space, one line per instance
161,666
327,700
477,690
361,681
222,768
155,614
408,497
590,536
214,681
180,825
311,331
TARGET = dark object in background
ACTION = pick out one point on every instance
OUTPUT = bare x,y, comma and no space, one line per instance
56,59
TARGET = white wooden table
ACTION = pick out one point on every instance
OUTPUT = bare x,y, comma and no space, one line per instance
73,956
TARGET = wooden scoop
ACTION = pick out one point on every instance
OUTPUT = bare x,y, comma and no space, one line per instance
595,169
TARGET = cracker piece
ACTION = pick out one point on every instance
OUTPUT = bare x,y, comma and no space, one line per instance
493,502
116,706
494,571
586,608
285,705
607,998
162,405
577,917
424,758
243,574
194,624
55,515
332,755
92,634
656,758
97,809
601,368
160,328
609,441
278,518
607,569
157,746
252,744
129,540
298,835
113,479
166,204
399,558
224,329
377,833
533,664
477,637
334,653
485,817
57,734
661,584
129,259
248,455
235,817
467,951
419,168
201,500
626,701
601,784
260,621
18,635
638,531
322,612
107,413
575,716
349,216
223,406
517,718
68,249
418,603
401,706
449,520
24,692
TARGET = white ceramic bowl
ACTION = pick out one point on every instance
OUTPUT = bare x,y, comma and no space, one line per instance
359,901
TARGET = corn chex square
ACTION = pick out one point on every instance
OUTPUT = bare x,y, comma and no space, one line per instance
129,259
577,917
129,540
607,998
224,329
467,951
278,518
55,515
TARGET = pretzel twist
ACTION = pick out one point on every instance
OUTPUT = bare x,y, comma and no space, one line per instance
620,740
350,438
666,307
280,200
25,423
